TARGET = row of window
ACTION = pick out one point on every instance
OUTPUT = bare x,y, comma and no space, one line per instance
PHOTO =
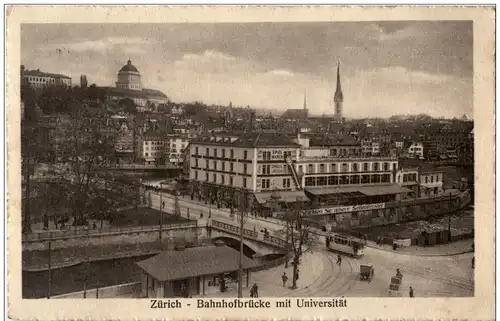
355,167
223,153
266,183
219,179
430,179
347,180
222,167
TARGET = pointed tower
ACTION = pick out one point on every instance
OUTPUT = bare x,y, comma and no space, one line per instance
305,100
339,97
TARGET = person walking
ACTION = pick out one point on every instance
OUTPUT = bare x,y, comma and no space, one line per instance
473,262
284,278
254,291
163,204
411,292
339,260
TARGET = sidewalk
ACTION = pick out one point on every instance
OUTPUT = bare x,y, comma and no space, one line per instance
269,281
448,249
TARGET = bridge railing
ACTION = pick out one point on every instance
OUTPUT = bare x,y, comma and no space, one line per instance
100,231
275,240
248,233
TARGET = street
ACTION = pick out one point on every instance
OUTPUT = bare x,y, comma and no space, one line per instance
430,276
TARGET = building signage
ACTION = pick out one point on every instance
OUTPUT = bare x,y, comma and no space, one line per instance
276,169
345,209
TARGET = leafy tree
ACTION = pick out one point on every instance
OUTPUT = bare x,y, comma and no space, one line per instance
128,105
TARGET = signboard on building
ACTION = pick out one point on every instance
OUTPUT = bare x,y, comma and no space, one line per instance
276,169
344,209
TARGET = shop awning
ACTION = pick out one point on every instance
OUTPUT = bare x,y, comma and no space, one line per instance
283,196
383,190
355,191
333,190
193,262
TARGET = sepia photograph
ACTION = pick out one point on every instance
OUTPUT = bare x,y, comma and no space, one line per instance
309,162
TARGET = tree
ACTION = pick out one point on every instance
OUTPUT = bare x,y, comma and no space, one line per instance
128,105
298,233
87,151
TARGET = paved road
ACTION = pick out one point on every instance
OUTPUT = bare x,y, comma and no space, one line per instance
436,276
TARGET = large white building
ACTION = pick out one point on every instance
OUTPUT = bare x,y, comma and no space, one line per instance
39,79
298,166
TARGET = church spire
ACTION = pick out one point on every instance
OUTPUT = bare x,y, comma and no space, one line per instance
305,100
339,96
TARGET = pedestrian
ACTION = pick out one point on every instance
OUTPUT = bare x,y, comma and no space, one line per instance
94,226
284,278
473,262
254,291
201,215
411,292
339,260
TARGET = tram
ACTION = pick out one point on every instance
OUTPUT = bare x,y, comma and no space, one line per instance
345,244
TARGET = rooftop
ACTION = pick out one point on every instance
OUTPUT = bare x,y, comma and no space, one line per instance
39,73
129,67
144,93
192,262
368,190
249,140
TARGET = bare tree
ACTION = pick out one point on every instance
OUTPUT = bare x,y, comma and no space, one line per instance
299,235
87,152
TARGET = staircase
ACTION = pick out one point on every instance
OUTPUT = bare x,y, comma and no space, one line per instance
295,175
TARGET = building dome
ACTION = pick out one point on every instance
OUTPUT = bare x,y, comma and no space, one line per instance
129,67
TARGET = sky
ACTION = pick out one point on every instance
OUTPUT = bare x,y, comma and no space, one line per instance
387,68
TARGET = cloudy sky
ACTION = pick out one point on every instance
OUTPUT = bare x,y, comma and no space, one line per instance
386,68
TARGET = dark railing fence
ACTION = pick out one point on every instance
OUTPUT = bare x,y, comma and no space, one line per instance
248,233
105,230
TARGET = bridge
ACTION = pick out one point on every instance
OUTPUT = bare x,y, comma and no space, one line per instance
255,243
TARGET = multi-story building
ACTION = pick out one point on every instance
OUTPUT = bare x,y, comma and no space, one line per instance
151,147
129,85
431,182
409,178
415,149
324,170
175,146
371,146
39,79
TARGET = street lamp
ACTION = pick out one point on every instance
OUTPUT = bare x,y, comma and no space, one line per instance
242,209
161,208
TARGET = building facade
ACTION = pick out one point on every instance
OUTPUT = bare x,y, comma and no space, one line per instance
39,79
129,77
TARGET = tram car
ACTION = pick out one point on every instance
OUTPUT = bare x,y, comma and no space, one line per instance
345,244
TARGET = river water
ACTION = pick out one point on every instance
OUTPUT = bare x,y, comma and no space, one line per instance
72,279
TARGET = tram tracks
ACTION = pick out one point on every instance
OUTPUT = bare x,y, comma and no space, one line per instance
328,283
455,281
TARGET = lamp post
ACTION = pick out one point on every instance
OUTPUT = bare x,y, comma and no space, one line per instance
242,209
449,219
161,208
49,284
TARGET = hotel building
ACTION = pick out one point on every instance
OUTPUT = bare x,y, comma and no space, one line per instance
300,168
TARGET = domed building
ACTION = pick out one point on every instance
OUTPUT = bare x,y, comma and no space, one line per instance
129,85
129,77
